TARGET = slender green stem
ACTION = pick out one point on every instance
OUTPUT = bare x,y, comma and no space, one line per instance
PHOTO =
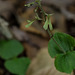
39,5
50,34
55,41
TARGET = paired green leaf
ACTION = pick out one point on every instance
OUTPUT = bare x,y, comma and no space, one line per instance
65,63
30,23
18,66
61,46
10,49
64,43
48,22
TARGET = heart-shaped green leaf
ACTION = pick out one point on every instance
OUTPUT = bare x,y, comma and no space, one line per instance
60,43
10,49
65,63
18,66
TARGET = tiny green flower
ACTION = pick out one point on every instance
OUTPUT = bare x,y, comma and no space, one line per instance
30,23
48,23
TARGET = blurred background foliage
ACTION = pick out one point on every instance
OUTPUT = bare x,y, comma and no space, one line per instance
19,42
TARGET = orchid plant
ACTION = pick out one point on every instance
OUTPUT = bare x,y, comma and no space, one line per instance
61,45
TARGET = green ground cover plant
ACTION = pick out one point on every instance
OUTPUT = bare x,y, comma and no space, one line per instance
61,45
9,51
